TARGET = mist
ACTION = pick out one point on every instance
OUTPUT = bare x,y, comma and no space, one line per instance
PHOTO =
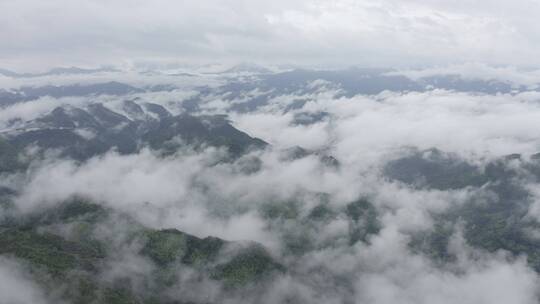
287,152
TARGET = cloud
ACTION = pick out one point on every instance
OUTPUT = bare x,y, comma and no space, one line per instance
197,193
404,278
362,130
263,125
477,71
322,32
16,286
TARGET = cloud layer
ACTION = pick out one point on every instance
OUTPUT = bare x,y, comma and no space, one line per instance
197,192
344,32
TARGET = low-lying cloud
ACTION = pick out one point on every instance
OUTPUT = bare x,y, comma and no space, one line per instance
201,192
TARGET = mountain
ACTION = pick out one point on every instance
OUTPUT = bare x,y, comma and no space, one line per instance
83,133
28,93
247,68
355,81
342,83
498,221
57,71
179,225
76,256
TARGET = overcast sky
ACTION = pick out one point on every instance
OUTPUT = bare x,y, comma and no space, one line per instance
38,34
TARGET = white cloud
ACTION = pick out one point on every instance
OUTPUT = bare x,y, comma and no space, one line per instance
16,286
193,193
475,71
323,32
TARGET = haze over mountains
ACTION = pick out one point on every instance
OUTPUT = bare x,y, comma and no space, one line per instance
286,151
252,184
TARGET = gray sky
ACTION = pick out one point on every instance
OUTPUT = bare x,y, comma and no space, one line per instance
38,34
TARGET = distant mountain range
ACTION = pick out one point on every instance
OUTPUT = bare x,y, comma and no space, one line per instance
268,84
326,223
57,71
81,133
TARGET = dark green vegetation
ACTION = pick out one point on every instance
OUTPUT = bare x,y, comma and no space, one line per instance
168,246
251,262
494,218
10,159
363,220
301,227
71,249
435,169
75,244
63,250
